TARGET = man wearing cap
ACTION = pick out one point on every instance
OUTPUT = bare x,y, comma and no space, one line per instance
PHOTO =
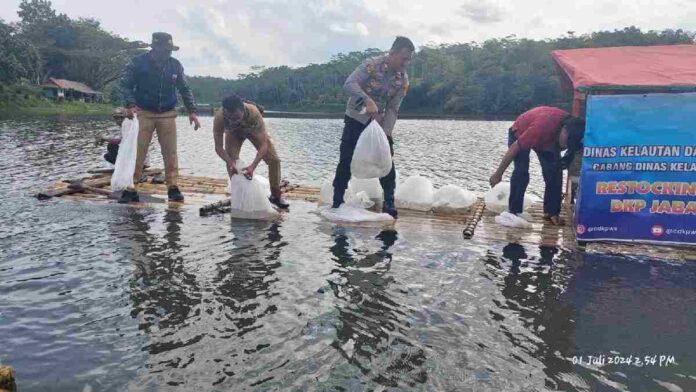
149,85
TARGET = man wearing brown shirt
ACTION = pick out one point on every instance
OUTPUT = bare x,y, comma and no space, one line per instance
237,122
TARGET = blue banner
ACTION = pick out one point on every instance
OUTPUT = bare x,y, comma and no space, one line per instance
638,180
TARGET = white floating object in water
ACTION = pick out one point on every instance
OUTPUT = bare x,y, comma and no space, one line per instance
249,198
327,191
348,213
416,193
452,198
511,220
497,198
360,200
371,186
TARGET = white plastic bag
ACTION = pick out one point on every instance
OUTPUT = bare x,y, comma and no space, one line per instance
371,157
511,220
453,198
348,213
360,200
127,153
371,186
327,191
249,198
416,193
497,198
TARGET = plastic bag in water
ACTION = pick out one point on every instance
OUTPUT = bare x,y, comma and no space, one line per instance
327,190
361,200
371,157
453,198
497,198
357,199
127,153
249,198
416,193
511,220
371,186
348,213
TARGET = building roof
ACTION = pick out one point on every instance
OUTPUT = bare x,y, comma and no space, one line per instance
71,85
645,68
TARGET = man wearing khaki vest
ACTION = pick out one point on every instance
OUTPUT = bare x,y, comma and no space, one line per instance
237,122
149,87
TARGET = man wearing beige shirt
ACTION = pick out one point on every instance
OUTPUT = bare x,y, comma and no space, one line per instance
237,122
376,89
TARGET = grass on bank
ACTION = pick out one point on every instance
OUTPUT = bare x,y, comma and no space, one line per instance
22,100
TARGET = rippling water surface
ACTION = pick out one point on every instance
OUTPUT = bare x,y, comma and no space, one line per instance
113,298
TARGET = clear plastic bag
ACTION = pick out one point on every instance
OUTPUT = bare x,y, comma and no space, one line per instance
453,198
249,198
348,213
497,198
127,153
371,157
416,193
511,220
327,191
371,186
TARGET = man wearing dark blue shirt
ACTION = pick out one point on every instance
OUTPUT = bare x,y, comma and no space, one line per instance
149,87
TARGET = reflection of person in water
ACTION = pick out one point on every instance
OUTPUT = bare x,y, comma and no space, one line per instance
244,276
163,294
541,311
369,313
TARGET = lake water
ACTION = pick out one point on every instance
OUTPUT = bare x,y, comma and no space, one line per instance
100,297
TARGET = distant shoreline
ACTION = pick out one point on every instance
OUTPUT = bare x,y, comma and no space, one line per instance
404,116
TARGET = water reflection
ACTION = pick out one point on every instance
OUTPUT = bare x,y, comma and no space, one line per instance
372,332
164,294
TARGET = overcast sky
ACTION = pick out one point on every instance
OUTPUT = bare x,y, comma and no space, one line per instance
225,37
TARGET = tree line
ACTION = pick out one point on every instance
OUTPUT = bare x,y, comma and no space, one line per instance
498,76
45,44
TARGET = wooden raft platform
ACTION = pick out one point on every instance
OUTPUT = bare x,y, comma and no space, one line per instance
209,195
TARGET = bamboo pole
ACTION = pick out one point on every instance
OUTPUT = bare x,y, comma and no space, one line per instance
215,208
57,192
471,225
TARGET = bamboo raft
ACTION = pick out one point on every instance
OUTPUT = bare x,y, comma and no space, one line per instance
209,195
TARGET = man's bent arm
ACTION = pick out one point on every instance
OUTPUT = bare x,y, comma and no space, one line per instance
392,111
185,90
354,81
508,158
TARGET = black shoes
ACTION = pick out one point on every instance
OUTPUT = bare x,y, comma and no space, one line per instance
174,194
129,197
278,202
389,209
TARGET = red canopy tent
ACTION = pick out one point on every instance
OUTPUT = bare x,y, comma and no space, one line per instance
632,69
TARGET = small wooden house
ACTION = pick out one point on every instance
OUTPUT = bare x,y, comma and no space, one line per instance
60,89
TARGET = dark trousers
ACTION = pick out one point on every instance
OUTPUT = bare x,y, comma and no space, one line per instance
351,133
553,179
111,153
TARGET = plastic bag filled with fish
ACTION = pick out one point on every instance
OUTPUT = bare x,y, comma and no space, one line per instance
249,198
416,193
371,157
497,198
127,152
451,198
